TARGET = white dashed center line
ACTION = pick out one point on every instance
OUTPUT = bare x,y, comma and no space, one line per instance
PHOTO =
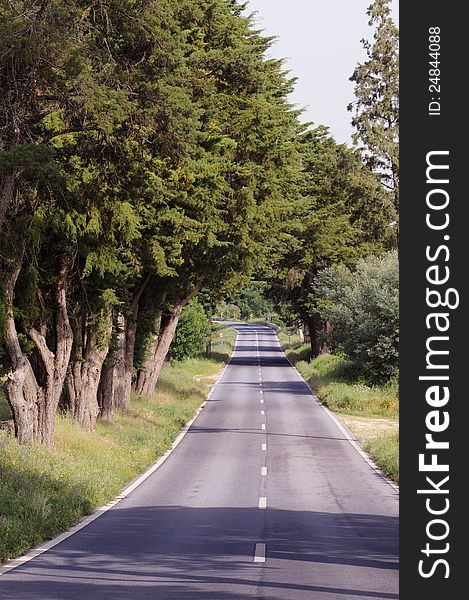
264,471
263,502
259,553
264,447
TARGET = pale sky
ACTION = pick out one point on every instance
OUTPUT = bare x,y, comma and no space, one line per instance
321,40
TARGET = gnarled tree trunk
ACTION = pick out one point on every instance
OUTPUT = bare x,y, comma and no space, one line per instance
21,387
84,374
33,405
158,350
145,374
106,393
112,391
115,387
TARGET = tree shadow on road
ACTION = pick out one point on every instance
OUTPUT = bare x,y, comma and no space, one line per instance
188,553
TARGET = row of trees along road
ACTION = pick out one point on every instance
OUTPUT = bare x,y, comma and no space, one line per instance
147,153
147,149
352,196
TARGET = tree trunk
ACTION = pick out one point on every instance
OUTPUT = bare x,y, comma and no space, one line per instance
34,406
128,374
315,327
21,392
145,374
326,347
159,349
120,366
106,393
112,388
301,334
83,377
21,386
115,387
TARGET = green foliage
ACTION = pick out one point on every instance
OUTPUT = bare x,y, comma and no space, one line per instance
376,109
228,312
385,453
363,309
253,303
339,385
156,139
192,333
344,215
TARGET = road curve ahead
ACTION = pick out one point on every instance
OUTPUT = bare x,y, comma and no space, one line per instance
263,498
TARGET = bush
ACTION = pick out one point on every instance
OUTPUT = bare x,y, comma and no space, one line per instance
363,309
192,333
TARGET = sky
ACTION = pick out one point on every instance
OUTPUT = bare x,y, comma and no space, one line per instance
321,40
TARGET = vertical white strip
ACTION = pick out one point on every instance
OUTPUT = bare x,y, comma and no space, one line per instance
259,553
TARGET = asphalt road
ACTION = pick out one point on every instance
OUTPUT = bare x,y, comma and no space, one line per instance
263,472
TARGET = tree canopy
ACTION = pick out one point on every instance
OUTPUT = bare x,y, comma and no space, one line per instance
145,150
149,155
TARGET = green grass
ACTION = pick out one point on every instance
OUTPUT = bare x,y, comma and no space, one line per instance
43,493
385,453
335,382
221,347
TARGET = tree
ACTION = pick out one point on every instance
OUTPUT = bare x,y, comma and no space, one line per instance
238,180
156,148
49,88
345,216
192,332
363,309
376,108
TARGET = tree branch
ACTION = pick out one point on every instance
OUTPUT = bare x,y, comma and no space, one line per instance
71,130
46,355
138,293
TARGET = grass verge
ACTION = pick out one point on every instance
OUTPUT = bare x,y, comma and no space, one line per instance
385,453
43,493
370,412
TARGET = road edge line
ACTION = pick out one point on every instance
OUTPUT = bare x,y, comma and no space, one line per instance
348,434
13,563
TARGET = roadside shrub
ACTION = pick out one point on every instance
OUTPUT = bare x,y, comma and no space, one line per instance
363,309
192,333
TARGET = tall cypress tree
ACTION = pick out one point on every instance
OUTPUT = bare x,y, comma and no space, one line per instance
376,108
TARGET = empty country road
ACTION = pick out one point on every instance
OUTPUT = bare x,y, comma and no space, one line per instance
264,498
